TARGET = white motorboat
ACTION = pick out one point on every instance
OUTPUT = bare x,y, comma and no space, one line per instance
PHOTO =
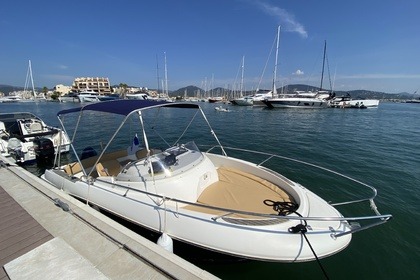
69,97
347,102
26,138
296,102
89,95
10,99
205,198
137,95
215,99
256,99
221,109
243,101
261,95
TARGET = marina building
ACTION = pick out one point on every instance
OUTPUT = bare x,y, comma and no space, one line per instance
62,89
100,85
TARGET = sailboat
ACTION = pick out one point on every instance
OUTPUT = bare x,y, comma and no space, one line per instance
164,96
263,94
243,100
313,100
29,82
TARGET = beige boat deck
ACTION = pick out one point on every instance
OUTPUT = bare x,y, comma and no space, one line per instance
241,191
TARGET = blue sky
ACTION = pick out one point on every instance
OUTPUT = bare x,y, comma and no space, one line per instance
371,44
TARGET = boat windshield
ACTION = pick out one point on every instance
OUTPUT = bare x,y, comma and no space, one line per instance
174,159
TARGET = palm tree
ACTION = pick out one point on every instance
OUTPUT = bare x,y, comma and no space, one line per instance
124,87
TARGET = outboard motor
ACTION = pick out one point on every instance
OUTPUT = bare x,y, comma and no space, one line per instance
44,149
14,148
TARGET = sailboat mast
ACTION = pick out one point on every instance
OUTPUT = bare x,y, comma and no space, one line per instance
29,78
275,64
242,78
157,74
166,78
32,78
323,64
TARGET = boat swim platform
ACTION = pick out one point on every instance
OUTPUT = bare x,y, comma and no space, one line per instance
39,240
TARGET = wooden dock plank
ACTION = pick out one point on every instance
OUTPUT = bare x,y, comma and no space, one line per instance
19,231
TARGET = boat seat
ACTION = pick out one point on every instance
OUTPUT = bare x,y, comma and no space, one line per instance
75,167
108,168
241,191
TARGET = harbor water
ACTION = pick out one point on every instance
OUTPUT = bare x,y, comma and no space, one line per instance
379,147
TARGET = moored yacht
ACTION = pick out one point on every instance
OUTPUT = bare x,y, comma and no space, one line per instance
69,97
347,102
89,95
243,101
260,96
302,99
297,101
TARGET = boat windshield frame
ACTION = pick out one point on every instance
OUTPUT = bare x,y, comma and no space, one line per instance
126,107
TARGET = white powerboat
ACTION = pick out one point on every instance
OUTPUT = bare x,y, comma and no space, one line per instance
137,95
256,99
26,138
89,95
69,97
221,109
347,102
260,96
10,99
205,198
297,101
215,99
243,101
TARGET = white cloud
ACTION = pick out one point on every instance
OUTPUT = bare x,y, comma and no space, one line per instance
286,19
298,72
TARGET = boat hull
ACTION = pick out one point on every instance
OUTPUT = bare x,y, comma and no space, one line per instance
306,103
356,103
271,241
243,101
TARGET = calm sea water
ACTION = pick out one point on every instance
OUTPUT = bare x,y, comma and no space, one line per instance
380,147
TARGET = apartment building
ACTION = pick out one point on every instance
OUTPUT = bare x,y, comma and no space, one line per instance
100,85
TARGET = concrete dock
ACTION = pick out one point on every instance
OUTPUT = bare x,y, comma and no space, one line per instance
47,234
